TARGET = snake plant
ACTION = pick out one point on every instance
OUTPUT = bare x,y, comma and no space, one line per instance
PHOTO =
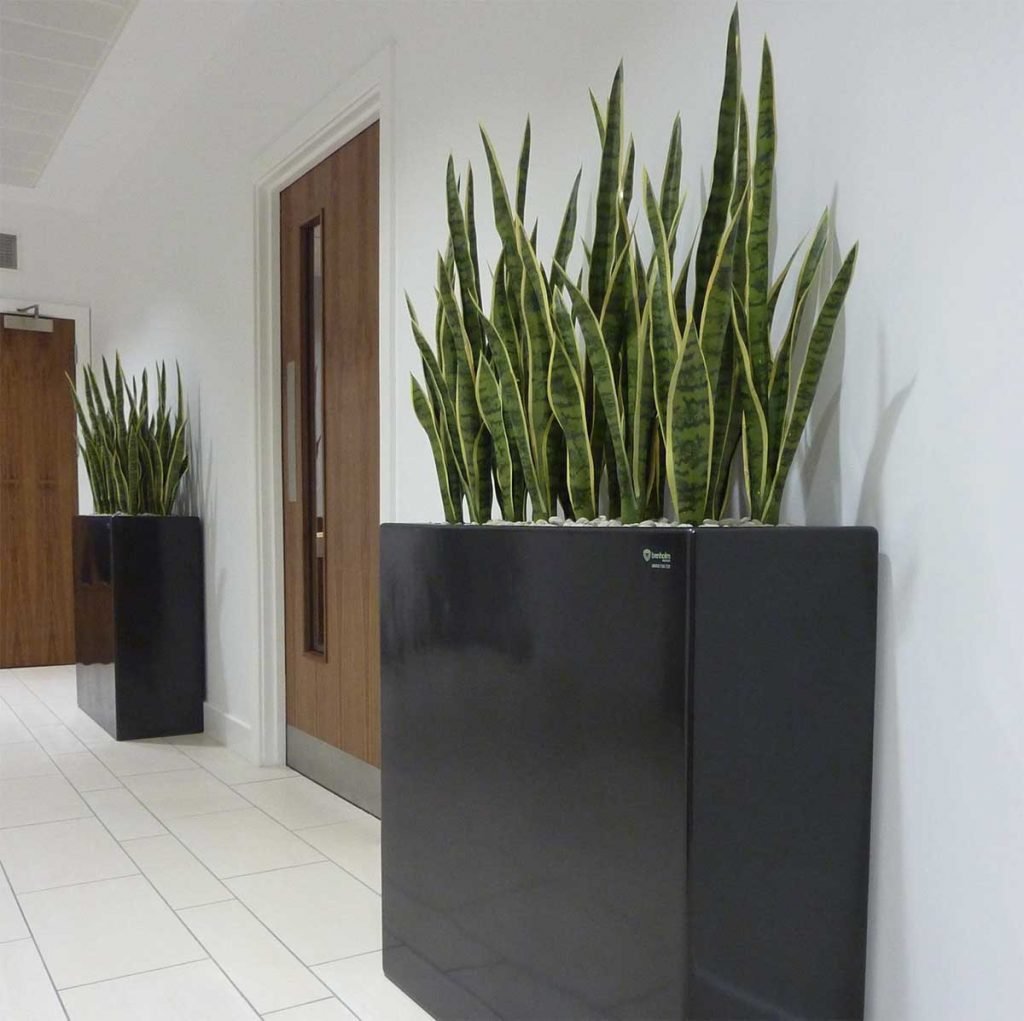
775,395
634,380
136,456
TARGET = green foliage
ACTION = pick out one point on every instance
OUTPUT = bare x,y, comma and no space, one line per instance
640,378
135,456
775,398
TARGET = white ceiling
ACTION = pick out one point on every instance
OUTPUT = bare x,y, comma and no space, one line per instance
50,51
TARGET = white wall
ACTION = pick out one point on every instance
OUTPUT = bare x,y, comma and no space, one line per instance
901,115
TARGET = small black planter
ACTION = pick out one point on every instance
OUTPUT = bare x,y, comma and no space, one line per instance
627,772
139,624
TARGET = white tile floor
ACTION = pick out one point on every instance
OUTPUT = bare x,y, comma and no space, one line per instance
175,881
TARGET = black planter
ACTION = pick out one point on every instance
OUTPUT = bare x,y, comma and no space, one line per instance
139,624
627,772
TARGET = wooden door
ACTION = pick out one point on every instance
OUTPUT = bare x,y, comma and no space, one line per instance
330,411
38,491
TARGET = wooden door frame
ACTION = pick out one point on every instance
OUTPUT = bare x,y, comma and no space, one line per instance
82,316
366,97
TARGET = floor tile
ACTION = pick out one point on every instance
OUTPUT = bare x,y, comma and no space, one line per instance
319,911
85,728
12,924
34,714
39,799
268,975
12,730
60,853
58,740
64,707
354,845
298,802
361,985
26,759
128,758
103,930
13,692
86,772
123,814
236,843
183,792
188,992
25,989
230,767
177,875
322,1010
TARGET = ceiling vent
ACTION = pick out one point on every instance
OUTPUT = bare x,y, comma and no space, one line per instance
8,251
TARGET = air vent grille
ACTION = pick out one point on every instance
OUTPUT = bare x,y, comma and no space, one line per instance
8,251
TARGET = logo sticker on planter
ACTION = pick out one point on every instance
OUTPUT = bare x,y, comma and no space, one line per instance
658,559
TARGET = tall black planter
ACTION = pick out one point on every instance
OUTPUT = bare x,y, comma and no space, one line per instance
139,624
627,772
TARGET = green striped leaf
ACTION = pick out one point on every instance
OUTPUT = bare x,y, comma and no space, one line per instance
424,414
779,381
471,229
716,216
522,173
598,116
539,334
607,210
516,422
565,390
759,278
665,336
488,395
688,433
607,392
810,375
463,261
671,179
504,218
755,425
567,231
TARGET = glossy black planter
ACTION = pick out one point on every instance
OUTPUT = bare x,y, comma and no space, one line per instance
627,772
139,624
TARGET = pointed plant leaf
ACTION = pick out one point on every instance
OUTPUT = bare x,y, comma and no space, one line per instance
810,375
523,172
565,388
688,432
425,417
720,196
606,213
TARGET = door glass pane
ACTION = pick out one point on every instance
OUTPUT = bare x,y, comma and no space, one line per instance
313,354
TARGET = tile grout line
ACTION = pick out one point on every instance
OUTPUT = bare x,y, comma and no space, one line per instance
181,922
32,936
152,886
308,967
233,787
347,957
259,921
271,1014
298,834
132,974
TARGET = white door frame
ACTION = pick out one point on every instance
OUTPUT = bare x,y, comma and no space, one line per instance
365,98
82,315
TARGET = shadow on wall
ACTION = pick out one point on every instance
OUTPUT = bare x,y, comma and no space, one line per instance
820,469
822,492
197,498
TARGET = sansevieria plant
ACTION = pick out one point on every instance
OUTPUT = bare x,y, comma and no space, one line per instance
136,456
634,384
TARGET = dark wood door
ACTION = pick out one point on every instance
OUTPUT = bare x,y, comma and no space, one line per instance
38,493
330,412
